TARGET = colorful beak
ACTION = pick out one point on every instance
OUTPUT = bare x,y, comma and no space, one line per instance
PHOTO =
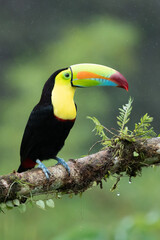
88,75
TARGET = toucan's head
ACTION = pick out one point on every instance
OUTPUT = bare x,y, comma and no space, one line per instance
89,75
80,75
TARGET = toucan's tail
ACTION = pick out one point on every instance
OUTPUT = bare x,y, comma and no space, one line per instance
22,169
26,165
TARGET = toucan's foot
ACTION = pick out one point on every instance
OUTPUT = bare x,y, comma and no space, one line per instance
62,162
44,169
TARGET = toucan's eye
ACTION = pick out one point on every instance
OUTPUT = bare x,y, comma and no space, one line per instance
66,75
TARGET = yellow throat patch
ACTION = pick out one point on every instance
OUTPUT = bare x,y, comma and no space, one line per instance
63,98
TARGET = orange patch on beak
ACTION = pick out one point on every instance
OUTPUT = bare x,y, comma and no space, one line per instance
87,75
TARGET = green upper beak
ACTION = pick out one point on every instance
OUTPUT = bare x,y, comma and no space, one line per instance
88,75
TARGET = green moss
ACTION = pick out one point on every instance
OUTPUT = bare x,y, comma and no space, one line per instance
122,142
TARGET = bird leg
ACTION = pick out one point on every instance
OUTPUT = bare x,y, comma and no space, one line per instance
62,162
44,169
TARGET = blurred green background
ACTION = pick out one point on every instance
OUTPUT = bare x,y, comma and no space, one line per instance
39,37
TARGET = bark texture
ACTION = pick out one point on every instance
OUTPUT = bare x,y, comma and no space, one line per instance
125,157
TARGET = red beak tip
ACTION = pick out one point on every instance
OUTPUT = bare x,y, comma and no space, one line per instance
126,87
120,80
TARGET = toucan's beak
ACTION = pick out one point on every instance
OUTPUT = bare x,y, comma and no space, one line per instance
88,75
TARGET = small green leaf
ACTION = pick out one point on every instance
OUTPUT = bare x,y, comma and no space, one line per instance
124,114
98,128
9,204
143,128
59,196
30,203
22,207
40,204
16,202
50,203
135,154
94,184
2,205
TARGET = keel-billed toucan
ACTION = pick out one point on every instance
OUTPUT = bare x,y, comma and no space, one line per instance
53,117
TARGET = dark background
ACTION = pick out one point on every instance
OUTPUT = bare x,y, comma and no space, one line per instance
39,37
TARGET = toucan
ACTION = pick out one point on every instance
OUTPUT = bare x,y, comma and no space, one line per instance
53,117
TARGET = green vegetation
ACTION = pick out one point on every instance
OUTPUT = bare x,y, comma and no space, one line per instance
117,142
142,129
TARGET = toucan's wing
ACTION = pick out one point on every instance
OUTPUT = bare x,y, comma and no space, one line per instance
39,117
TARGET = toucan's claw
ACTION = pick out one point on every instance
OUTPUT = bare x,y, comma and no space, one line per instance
44,169
62,162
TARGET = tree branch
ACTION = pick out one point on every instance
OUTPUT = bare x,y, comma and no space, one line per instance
125,157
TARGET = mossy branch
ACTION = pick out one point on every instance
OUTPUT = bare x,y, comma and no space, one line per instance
84,171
